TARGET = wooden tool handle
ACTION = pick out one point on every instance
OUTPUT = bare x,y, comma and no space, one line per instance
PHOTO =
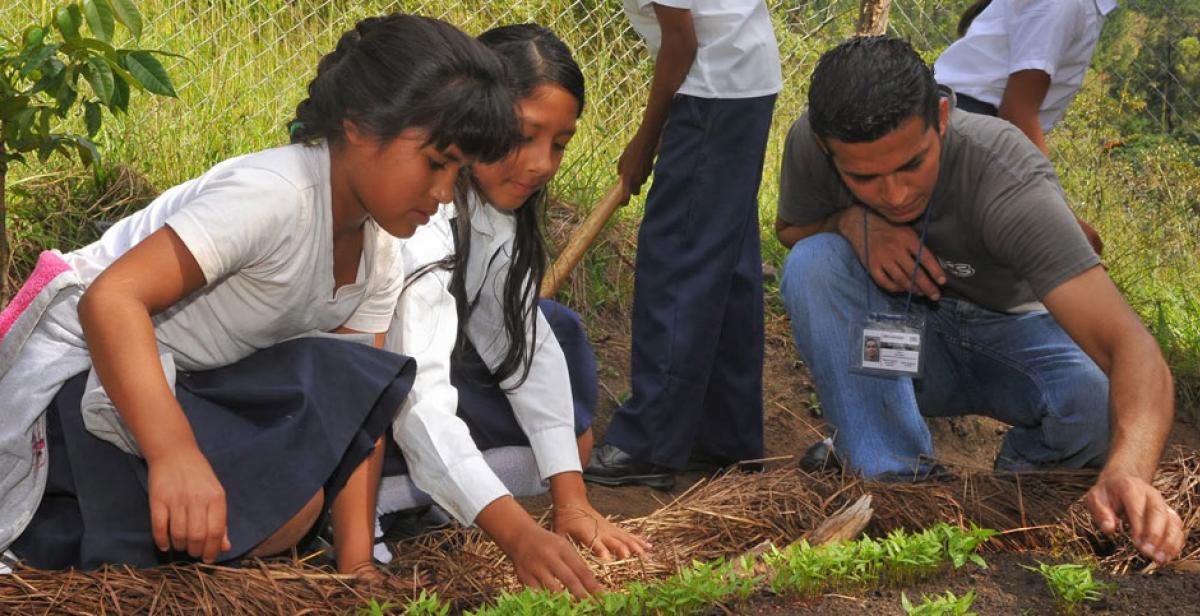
580,240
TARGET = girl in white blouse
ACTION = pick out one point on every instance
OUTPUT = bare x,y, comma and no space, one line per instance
491,369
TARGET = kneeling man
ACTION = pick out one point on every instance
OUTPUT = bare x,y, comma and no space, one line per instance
936,270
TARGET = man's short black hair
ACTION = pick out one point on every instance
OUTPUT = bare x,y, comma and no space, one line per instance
864,88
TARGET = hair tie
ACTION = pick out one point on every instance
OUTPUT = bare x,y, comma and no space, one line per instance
295,127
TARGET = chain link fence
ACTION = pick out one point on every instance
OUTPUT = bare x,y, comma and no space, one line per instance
245,64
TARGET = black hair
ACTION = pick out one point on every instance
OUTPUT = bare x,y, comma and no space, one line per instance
533,56
969,15
865,87
399,71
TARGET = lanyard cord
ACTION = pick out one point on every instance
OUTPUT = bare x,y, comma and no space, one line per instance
912,283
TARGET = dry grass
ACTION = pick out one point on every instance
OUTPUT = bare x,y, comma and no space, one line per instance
725,516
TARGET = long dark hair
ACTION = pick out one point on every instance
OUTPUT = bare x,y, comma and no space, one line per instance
400,71
533,56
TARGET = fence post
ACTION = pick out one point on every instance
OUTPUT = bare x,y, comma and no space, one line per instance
873,17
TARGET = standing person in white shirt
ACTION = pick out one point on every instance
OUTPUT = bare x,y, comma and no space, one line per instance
696,365
221,419
1024,61
491,371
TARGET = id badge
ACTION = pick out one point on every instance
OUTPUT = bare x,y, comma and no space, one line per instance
888,345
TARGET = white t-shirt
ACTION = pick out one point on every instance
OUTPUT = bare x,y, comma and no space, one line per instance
736,55
1056,37
260,227
442,458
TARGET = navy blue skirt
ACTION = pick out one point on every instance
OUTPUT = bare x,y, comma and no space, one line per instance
276,427
484,407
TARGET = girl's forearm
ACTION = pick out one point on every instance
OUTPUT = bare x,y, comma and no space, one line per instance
354,513
124,351
567,489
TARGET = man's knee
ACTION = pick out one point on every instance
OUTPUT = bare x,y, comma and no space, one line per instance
816,265
1081,429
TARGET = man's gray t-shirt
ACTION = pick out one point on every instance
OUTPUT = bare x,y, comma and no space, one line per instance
999,223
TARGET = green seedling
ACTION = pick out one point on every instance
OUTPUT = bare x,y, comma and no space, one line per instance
1072,585
427,604
375,608
940,605
530,602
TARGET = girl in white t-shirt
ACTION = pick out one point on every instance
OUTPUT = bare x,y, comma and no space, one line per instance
221,416
491,366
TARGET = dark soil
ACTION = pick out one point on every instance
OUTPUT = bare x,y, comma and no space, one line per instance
792,423
1006,587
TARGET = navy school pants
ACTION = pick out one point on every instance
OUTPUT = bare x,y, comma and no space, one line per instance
698,298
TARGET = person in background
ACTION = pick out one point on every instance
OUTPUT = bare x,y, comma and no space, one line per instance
696,366
1024,61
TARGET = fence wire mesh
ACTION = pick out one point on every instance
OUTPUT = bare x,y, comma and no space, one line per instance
245,63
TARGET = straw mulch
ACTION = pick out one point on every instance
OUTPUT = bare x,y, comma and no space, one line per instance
726,516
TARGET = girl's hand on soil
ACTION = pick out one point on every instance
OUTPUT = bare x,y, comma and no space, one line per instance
187,504
369,573
544,560
584,524
1154,527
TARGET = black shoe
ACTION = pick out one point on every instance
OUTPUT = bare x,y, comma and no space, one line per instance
819,457
409,523
928,472
609,466
700,462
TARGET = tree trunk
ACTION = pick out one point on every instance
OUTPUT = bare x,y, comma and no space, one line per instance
4,260
873,17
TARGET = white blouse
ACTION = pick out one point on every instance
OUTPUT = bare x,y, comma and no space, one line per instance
442,458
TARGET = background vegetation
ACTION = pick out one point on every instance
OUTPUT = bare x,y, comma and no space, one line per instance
1127,153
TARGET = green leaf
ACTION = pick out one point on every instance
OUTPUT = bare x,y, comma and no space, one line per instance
149,72
128,14
68,19
33,36
120,99
88,153
36,59
9,107
45,148
100,76
66,95
95,45
91,118
44,120
99,16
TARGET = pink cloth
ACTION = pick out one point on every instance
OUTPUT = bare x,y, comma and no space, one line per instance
49,266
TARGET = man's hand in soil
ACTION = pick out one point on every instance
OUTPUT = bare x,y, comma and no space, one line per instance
1155,528
893,252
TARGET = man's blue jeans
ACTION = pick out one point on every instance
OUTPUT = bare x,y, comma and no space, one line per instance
1021,369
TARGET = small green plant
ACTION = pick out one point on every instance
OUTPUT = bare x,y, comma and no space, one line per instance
427,604
375,608
530,602
800,570
900,559
42,72
1072,585
940,605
